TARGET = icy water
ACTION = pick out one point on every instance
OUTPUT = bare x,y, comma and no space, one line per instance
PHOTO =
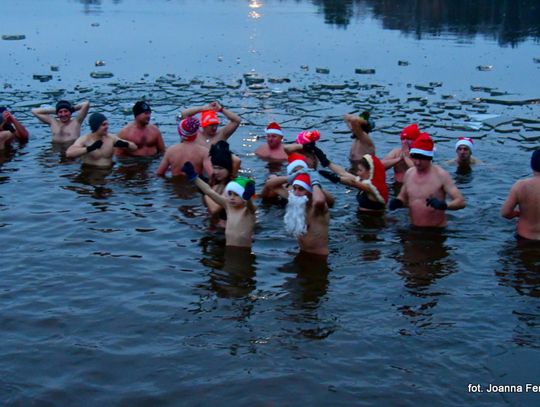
114,288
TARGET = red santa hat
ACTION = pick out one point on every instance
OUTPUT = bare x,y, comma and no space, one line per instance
377,178
411,132
465,141
303,181
423,145
296,160
274,128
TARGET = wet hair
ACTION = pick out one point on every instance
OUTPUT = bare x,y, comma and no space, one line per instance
221,156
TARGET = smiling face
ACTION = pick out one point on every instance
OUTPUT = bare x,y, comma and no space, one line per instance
210,130
362,172
299,191
64,115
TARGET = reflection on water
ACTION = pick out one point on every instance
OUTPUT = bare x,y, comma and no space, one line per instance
520,270
509,22
93,177
424,260
520,261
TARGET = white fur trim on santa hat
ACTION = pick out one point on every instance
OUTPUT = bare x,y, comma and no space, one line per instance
467,142
236,188
302,184
296,163
427,153
273,130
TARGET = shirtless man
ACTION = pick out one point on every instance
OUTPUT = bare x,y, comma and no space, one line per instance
96,148
400,158
10,129
187,150
360,126
146,136
209,132
525,194
64,128
425,187
306,216
273,149
238,206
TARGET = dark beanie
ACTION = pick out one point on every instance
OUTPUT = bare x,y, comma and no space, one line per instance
64,104
220,155
535,161
140,107
95,120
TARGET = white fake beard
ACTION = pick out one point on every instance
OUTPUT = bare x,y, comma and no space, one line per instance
295,215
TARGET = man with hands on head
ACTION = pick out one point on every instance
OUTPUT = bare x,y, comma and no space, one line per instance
425,187
209,132
96,148
64,128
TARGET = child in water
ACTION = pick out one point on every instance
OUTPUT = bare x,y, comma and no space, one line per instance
237,204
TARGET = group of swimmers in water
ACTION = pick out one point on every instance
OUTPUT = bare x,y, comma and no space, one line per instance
203,157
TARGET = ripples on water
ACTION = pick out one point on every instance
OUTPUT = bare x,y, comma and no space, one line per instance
115,289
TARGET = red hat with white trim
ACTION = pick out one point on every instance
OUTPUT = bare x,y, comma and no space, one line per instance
423,146
274,128
465,141
411,132
296,160
303,181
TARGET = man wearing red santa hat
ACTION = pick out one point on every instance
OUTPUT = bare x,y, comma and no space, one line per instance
425,187
273,149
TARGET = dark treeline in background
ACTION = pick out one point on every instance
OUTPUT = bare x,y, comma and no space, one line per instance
507,21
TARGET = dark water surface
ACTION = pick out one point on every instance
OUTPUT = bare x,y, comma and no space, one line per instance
115,290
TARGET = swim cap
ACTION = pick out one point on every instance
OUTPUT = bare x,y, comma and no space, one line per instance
64,104
305,137
465,141
423,147
209,117
220,155
188,127
141,107
238,185
296,160
410,132
95,120
535,161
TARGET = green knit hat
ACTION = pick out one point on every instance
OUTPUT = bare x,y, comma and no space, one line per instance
238,185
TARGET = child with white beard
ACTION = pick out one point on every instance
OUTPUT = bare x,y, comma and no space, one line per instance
306,215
